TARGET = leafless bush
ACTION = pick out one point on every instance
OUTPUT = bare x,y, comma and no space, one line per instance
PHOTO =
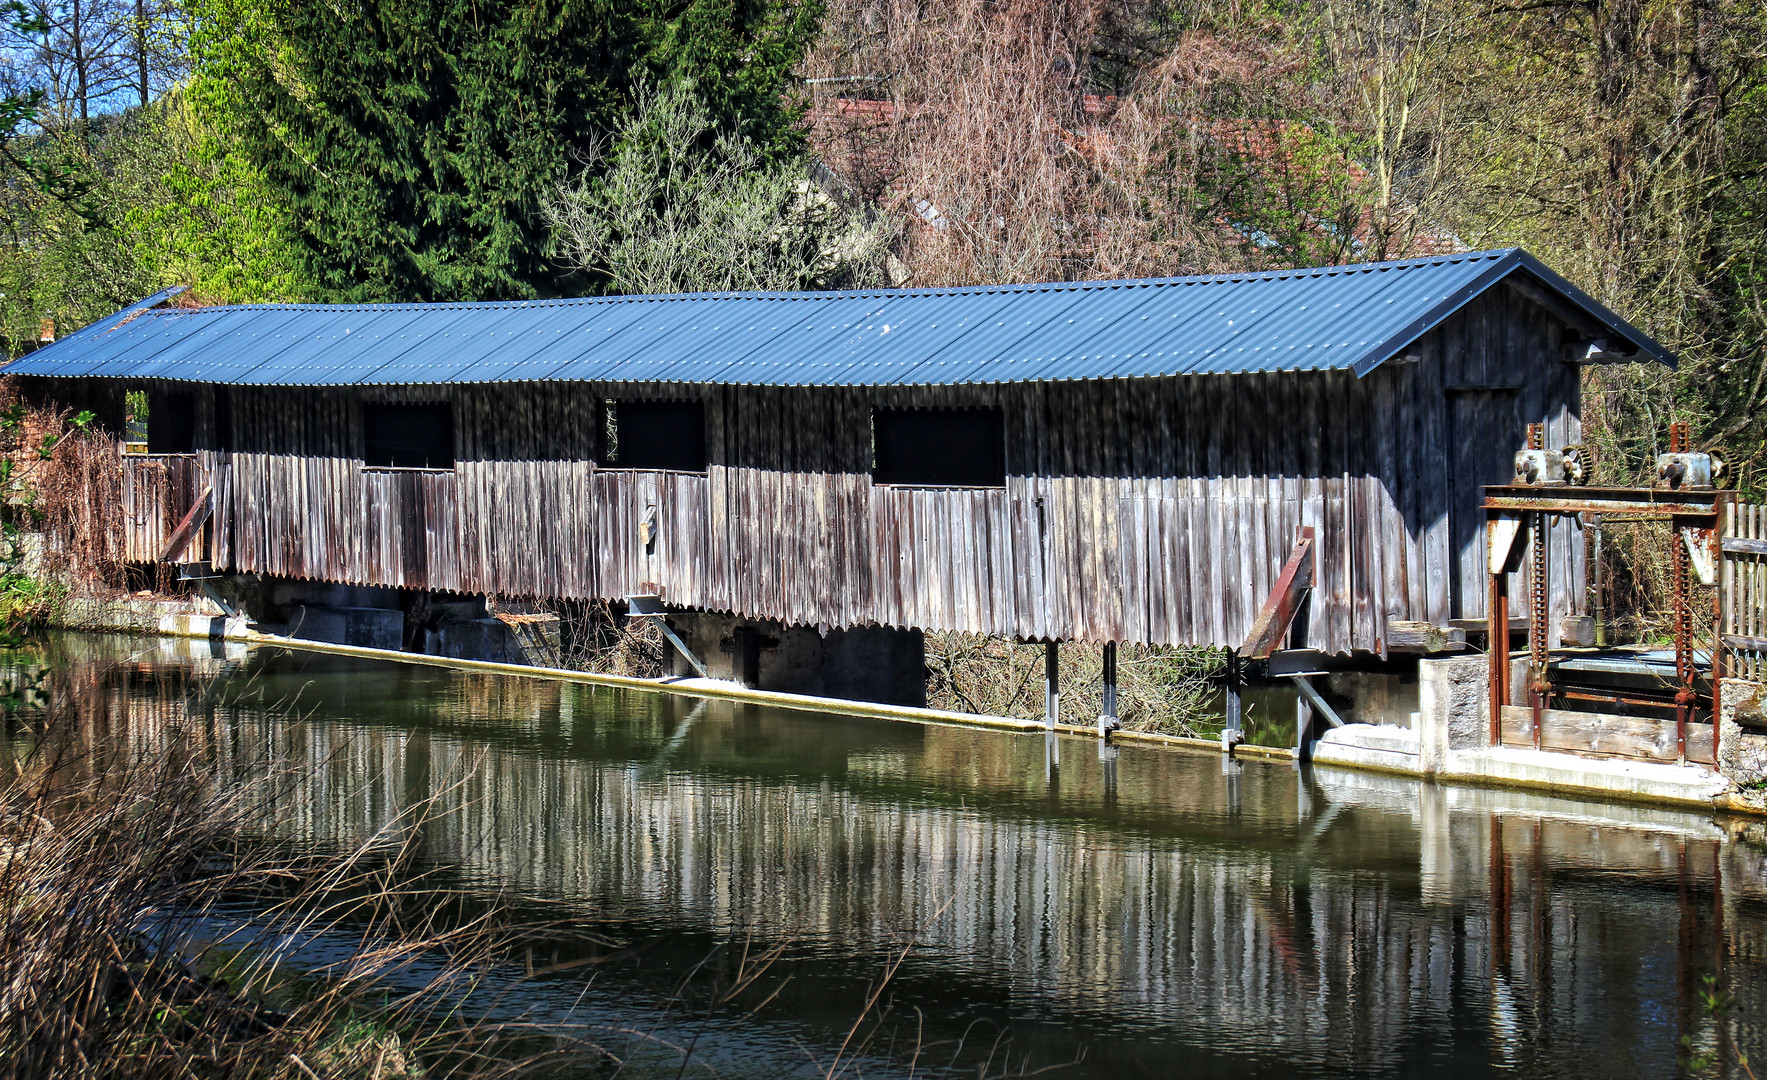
1213,142
115,867
596,637
1173,691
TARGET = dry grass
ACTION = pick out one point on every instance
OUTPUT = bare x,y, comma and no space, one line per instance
1173,691
123,878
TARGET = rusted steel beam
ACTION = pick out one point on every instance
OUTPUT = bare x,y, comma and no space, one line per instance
1583,500
193,521
1273,620
1497,649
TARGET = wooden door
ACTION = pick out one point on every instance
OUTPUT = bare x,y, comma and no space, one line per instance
1485,430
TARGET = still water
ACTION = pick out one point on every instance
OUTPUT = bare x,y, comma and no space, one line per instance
1061,906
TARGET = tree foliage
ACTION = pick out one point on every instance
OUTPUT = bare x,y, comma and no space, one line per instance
683,207
1621,141
413,141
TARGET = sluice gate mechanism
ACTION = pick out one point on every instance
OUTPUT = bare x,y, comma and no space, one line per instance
1572,691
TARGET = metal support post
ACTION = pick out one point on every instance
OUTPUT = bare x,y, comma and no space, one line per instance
1498,651
646,606
1303,728
1682,614
1052,683
1107,717
1232,731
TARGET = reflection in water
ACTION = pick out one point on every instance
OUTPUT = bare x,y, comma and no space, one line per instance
1144,910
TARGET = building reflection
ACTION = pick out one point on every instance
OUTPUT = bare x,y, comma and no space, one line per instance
1317,915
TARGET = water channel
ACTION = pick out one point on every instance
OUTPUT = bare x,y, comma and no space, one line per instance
1090,911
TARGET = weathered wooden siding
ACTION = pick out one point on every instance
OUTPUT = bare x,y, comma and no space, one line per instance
157,492
1136,510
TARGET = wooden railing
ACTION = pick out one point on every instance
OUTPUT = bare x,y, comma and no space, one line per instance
1744,585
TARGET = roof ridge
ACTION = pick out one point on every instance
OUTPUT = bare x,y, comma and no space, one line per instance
828,294
1352,317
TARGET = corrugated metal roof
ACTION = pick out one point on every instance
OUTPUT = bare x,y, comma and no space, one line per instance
1332,318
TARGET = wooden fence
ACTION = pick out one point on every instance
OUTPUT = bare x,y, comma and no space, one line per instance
1744,584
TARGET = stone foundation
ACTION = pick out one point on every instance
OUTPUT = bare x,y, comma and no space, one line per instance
1742,742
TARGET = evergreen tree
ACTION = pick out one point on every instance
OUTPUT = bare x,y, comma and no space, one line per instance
413,141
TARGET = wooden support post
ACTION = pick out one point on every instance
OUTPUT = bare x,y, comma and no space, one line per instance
193,521
1284,604
1052,683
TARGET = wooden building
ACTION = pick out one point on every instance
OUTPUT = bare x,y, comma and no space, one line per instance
1107,461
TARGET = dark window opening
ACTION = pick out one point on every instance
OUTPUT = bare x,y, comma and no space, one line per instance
223,418
664,435
408,436
171,423
939,447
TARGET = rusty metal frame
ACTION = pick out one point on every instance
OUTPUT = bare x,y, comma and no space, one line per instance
1532,507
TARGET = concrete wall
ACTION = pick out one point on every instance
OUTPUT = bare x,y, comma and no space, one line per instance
1453,709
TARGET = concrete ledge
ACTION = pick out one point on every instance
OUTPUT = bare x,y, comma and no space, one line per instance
1383,747
152,615
1643,781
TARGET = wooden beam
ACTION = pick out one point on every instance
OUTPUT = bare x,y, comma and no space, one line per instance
193,521
1272,623
1517,625
1421,637
1736,545
1605,734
